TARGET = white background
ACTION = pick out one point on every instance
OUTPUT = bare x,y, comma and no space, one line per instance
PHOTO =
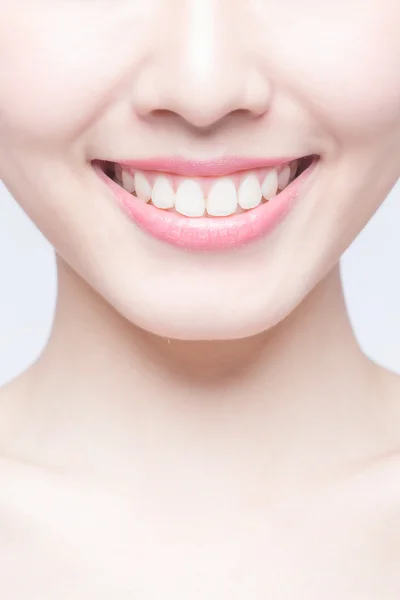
28,286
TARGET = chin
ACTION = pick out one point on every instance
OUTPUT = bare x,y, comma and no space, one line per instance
202,331
206,323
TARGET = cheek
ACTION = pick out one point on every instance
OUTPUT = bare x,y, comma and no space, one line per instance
345,68
59,68
358,89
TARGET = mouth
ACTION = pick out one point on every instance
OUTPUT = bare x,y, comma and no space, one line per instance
177,203
211,196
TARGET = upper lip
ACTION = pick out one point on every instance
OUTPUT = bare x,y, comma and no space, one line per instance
204,168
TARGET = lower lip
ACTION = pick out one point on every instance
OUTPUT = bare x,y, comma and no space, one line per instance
209,233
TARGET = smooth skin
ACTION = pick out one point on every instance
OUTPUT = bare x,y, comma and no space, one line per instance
199,426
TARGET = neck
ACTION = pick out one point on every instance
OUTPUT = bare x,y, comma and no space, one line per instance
104,392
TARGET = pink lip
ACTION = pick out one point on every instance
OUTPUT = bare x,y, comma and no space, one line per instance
208,233
207,168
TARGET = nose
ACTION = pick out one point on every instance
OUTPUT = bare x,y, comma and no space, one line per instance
202,65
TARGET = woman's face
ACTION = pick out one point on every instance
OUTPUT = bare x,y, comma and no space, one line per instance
86,80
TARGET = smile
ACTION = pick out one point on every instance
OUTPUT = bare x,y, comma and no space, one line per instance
177,203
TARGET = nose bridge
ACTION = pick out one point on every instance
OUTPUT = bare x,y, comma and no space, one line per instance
204,54
201,68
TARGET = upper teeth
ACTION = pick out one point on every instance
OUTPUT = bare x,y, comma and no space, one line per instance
215,196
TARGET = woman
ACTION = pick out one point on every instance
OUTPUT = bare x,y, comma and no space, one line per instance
202,422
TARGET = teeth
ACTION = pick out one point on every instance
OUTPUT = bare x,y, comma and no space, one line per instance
128,182
142,187
163,195
250,194
284,177
293,168
269,187
118,173
222,199
189,199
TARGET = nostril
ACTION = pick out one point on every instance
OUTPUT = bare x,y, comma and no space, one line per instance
198,123
163,113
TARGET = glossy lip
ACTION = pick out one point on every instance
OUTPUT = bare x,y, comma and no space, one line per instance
208,233
207,168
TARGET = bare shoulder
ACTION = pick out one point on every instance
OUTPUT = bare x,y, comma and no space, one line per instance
13,396
390,382
388,463
377,482
389,401
13,390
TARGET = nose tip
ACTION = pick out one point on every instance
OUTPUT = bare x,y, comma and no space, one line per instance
201,71
202,102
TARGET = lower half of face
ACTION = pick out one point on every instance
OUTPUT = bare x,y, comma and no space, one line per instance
186,245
